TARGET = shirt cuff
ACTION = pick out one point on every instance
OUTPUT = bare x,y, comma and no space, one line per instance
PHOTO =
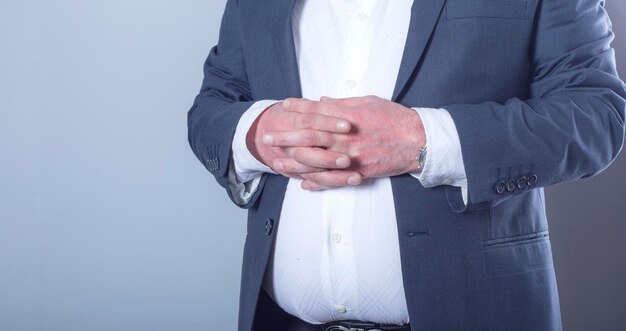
241,192
246,166
444,162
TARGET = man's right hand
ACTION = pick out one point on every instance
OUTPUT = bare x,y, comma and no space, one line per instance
313,133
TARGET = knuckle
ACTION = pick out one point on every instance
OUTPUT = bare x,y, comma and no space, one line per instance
282,139
294,167
323,107
289,151
338,179
287,166
311,177
321,178
310,138
289,101
298,154
305,120
330,161
325,178
327,138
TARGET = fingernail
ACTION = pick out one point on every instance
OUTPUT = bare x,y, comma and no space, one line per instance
354,180
278,165
267,139
286,103
343,126
342,161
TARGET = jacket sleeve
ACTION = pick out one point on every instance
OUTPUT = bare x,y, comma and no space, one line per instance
572,125
224,96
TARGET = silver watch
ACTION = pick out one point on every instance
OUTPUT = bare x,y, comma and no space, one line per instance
421,159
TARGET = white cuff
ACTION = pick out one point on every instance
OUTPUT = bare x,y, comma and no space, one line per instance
444,161
247,167
241,192
244,170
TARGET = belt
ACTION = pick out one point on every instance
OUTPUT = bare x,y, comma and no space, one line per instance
362,326
270,317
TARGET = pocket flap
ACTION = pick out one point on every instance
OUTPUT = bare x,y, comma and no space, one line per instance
520,255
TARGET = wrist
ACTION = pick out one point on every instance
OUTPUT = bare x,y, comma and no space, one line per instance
416,154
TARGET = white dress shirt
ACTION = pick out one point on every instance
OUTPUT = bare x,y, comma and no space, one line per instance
336,253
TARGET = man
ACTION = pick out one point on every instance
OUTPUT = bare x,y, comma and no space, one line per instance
392,155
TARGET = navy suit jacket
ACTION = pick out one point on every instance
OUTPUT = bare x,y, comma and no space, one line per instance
532,88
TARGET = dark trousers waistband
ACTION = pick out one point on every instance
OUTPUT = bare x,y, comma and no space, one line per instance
361,326
270,317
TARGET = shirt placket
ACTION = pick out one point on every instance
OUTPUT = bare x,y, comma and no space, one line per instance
356,55
340,203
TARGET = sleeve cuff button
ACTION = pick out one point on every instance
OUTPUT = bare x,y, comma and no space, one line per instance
511,185
500,187
521,182
532,180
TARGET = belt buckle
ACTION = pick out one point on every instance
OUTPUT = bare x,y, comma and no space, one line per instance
338,327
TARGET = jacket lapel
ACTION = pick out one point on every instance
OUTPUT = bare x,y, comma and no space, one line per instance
424,17
284,48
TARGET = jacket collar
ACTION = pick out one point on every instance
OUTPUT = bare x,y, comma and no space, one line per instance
282,38
424,17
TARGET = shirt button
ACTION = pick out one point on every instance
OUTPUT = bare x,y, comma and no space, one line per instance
336,237
351,83
362,17
340,309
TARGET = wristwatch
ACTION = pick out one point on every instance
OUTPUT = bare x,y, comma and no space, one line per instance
421,159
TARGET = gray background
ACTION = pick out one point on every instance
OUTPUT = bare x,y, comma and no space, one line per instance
107,220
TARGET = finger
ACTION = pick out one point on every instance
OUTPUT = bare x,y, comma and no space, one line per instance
320,122
319,158
311,138
313,186
334,109
300,105
294,176
334,178
287,166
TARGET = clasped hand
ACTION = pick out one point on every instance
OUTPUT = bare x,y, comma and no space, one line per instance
337,142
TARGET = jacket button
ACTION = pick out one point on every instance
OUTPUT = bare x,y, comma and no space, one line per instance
521,182
269,226
532,180
500,187
511,185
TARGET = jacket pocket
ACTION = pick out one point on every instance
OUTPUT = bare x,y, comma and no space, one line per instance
458,9
517,254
